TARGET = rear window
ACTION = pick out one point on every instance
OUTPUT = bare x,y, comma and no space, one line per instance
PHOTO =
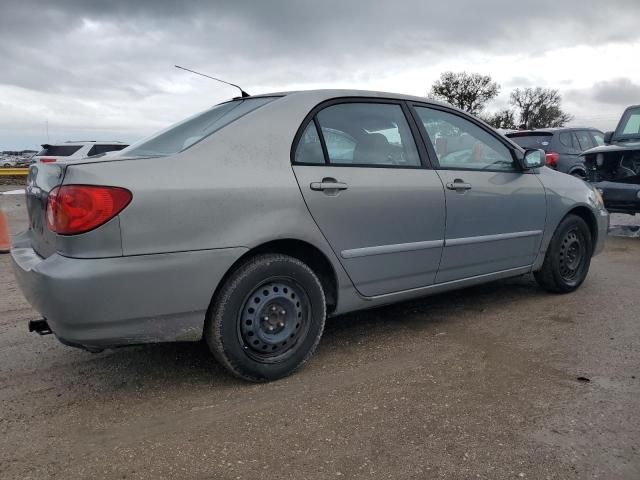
532,140
100,149
59,150
184,134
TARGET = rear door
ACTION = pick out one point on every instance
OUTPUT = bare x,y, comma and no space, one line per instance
585,140
366,186
495,212
569,150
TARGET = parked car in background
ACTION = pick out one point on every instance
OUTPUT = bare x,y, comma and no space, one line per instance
563,146
615,167
75,150
9,162
250,223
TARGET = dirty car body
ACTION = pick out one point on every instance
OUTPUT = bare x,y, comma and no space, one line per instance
615,168
250,223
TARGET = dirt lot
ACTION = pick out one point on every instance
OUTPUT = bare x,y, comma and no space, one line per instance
482,383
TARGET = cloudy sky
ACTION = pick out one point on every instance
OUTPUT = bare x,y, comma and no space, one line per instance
104,70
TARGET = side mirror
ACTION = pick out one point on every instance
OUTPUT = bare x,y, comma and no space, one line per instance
607,137
533,158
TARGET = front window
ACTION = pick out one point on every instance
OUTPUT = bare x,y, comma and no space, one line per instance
584,140
629,126
100,149
599,138
461,144
182,135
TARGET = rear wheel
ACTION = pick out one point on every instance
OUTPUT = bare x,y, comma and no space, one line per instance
568,257
267,319
579,174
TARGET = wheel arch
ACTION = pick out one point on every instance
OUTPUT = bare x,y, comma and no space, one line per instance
303,251
578,168
587,215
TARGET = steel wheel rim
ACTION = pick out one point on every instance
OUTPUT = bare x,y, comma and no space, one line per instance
274,320
572,254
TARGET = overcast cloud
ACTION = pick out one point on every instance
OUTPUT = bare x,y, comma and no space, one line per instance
105,69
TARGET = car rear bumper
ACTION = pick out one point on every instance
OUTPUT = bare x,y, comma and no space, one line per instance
108,302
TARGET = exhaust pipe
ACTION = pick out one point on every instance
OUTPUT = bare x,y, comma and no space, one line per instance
41,327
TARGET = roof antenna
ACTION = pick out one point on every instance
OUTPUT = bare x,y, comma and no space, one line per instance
242,92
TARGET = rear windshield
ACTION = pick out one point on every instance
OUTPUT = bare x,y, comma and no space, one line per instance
59,150
182,135
532,140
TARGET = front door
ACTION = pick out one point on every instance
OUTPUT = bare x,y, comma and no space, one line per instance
365,185
495,211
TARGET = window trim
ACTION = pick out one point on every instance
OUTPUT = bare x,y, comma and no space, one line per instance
423,155
432,151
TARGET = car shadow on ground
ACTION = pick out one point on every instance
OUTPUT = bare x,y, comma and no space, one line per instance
158,366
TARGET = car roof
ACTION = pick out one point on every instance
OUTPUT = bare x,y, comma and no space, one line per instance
329,93
75,143
550,130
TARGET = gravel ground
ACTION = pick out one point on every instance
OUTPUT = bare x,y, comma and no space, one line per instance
480,383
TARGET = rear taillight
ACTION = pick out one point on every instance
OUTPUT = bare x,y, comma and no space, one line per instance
47,160
74,209
551,159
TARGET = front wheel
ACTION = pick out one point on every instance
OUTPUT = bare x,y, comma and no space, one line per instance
568,257
267,318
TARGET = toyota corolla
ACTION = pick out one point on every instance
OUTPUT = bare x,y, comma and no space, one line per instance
248,224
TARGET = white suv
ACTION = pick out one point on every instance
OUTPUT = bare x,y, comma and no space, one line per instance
75,150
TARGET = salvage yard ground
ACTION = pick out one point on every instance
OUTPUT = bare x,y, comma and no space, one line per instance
480,383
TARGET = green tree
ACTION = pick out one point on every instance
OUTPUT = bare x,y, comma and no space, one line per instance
468,91
539,108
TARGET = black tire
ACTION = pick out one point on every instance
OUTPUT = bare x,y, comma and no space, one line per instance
252,339
579,174
568,257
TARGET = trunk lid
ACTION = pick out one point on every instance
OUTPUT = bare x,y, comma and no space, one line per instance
42,178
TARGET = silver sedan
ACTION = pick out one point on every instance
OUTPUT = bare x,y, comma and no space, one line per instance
251,222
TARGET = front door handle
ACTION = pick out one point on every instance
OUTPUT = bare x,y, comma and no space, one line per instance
328,184
458,184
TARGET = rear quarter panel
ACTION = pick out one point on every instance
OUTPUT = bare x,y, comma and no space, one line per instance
235,188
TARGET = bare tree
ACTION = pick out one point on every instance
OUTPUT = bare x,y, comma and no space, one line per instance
467,91
502,119
539,108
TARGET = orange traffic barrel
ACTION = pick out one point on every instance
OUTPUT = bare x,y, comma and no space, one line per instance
5,242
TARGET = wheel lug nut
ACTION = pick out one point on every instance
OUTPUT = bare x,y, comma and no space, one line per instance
281,324
283,312
266,319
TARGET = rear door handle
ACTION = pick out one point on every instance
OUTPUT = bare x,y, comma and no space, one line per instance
458,184
324,185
